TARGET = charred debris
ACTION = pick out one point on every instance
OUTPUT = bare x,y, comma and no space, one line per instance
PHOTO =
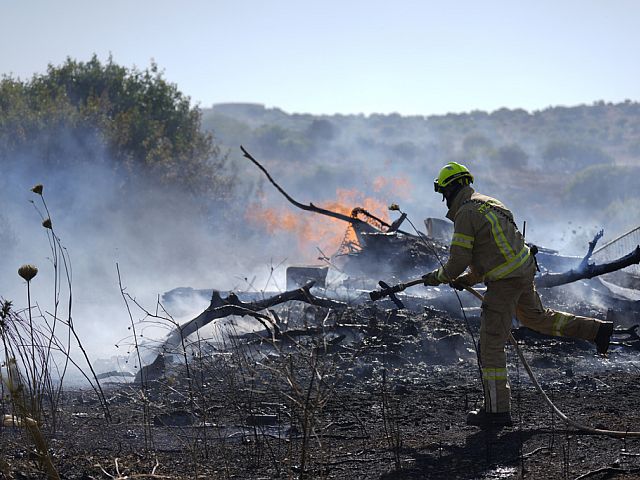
319,381
382,253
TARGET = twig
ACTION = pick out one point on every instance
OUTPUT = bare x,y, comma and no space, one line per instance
607,470
143,383
537,450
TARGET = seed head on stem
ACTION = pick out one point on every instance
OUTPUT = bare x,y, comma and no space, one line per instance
28,272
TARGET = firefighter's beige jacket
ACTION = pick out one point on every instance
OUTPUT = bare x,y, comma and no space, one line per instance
486,239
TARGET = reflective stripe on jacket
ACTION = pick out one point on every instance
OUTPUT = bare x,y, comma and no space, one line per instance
485,238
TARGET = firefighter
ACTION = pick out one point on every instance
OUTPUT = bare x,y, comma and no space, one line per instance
486,239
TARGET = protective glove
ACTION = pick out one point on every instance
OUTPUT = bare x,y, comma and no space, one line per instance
465,280
431,279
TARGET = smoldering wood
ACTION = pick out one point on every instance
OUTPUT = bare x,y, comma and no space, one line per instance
360,225
379,240
592,245
588,270
232,305
379,243
225,307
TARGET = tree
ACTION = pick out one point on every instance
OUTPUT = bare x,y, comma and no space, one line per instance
570,156
144,123
274,141
511,156
475,144
321,130
612,184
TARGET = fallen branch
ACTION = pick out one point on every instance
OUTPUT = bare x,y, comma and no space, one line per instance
592,245
225,307
360,225
588,270
607,470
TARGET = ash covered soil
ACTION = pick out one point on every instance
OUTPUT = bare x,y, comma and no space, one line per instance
365,393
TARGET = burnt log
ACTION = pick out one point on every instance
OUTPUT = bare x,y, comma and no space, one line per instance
592,245
588,270
224,307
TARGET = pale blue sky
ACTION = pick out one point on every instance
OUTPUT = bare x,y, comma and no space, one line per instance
410,57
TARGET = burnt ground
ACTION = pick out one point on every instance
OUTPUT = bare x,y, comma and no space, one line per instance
372,394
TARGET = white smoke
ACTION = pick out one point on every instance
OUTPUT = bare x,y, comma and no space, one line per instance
160,238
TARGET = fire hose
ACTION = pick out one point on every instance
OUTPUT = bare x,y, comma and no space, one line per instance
391,291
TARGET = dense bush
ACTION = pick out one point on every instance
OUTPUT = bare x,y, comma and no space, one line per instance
600,185
510,156
569,156
133,119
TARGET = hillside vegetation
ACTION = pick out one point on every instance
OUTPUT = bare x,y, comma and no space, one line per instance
560,164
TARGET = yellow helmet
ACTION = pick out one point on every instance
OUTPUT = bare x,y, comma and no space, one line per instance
450,173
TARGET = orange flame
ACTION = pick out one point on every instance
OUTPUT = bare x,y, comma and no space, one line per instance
314,230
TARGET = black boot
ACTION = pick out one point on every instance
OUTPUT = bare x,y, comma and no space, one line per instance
603,336
482,419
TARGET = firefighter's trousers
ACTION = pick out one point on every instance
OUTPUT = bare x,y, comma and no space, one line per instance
517,297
